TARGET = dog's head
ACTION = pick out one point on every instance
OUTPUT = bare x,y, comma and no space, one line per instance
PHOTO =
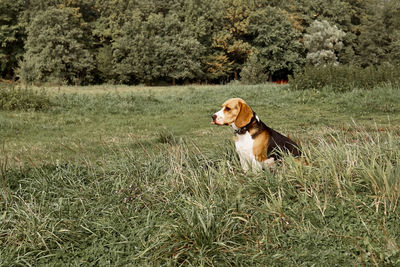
234,111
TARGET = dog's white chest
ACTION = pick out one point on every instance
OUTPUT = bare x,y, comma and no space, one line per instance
244,147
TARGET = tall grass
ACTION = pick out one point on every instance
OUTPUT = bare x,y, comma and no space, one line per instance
344,77
180,205
17,98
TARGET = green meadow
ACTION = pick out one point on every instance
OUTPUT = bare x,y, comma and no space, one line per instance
137,176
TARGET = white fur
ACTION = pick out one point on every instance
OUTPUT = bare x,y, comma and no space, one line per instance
220,116
269,162
244,148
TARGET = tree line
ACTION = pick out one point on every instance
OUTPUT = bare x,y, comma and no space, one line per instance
177,41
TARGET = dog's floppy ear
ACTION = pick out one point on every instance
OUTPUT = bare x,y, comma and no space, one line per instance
245,114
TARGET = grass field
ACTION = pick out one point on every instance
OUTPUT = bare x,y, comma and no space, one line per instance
114,176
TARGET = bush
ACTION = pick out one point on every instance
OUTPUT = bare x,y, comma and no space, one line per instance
12,98
253,72
344,78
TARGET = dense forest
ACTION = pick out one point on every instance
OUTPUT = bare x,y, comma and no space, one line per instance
178,41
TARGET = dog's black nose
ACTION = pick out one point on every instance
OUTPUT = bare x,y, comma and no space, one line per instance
214,117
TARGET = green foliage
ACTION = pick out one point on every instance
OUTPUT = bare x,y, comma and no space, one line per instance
11,37
56,49
276,42
338,12
343,78
253,71
104,60
179,41
323,43
391,18
16,98
154,48
395,49
374,43
231,41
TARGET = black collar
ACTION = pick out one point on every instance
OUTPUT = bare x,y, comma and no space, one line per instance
244,129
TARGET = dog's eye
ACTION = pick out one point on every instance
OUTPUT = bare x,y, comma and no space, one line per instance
227,108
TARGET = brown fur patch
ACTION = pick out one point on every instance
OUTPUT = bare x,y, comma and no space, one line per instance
231,110
245,114
260,146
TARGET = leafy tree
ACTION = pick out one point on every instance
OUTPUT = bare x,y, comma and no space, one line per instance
305,12
323,43
11,37
55,48
231,39
219,67
391,19
253,71
276,42
360,12
113,14
180,58
104,60
391,15
394,56
157,48
134,54
180,52
374,39
87,8
202,20
373,43
131,41
346,14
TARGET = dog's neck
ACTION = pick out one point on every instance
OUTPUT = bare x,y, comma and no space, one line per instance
244,129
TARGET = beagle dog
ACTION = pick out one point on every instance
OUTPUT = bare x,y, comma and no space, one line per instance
258,145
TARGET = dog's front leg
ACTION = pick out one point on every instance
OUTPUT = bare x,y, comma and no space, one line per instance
245,164
269,163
